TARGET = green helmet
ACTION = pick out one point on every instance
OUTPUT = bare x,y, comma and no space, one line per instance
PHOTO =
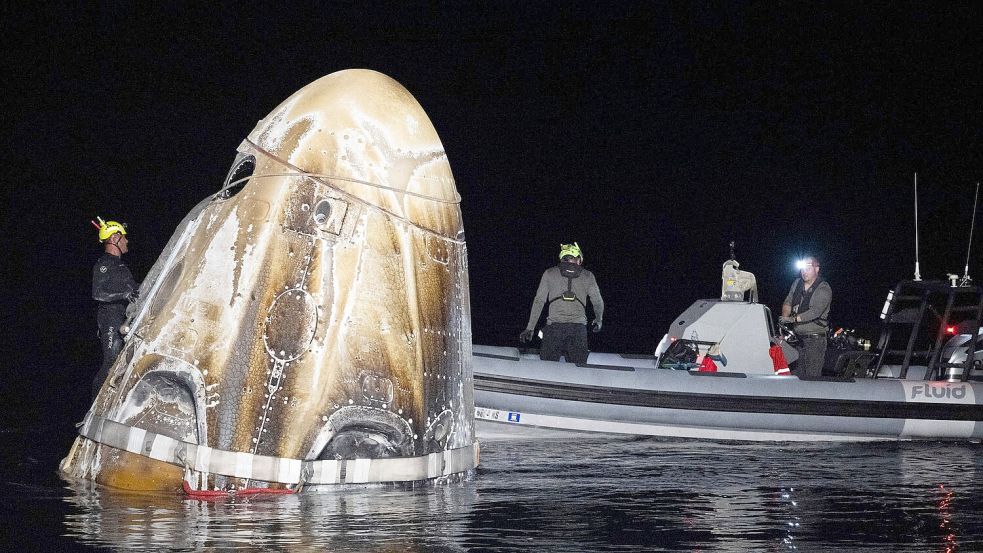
108,228
571,250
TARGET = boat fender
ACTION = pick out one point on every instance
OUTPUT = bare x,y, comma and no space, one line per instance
778,360
707,365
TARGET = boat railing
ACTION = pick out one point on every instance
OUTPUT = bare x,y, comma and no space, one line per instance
918,318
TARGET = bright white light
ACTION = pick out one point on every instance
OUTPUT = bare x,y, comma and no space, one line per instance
801,264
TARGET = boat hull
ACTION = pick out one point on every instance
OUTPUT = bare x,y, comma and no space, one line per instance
519,395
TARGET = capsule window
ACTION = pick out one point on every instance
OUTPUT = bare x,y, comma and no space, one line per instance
329,215
238,177
322,212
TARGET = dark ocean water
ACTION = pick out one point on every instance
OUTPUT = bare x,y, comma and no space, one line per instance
589,494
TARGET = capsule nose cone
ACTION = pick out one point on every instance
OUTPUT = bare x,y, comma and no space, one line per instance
366,135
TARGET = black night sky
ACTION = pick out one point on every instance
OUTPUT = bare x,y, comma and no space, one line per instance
651,133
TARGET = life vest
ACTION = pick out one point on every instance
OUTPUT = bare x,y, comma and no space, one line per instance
571,271
801,298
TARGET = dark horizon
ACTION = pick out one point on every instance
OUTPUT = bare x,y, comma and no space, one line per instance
653,135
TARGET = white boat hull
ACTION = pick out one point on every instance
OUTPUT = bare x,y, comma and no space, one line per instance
520,395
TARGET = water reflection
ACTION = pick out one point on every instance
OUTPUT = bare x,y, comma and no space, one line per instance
594,495
949,541
364,519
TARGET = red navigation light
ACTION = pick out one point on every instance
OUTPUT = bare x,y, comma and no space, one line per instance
950,330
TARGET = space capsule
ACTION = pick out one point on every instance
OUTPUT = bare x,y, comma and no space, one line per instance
308,325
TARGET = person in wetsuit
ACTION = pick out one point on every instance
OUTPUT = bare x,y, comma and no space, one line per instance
566,288
807,308
113,287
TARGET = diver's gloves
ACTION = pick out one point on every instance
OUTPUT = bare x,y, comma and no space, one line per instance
131,307
526,336
596,325
786,320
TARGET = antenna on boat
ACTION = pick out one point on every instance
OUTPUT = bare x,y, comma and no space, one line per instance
965,280
918,275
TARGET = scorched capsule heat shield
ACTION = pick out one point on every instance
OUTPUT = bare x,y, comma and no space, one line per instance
307,325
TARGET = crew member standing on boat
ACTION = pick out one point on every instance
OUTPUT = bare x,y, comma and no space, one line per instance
566,288
807,308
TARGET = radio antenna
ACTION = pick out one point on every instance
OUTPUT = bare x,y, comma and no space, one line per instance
918,275
966,280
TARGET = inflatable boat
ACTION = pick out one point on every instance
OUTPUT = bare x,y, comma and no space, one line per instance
919,383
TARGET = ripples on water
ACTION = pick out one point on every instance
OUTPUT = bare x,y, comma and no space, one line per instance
589,494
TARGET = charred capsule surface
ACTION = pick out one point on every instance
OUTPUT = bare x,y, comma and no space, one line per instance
307,324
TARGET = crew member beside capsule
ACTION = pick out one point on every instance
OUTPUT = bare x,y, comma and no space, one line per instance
309,324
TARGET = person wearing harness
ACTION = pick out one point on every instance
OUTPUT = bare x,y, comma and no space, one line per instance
807,308
566,288
113,287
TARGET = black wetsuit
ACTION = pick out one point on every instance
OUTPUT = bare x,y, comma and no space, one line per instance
113,287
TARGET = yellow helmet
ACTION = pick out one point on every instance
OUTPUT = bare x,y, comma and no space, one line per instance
108,228
570,249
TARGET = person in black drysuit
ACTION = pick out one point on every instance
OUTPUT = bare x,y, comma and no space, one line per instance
113,287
